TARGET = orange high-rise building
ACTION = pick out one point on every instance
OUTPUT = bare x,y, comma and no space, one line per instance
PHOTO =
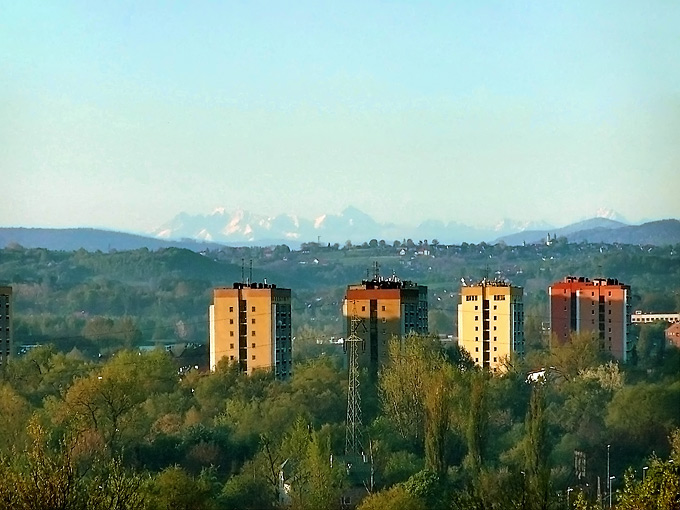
600,306
388,307
6,313
491,323
250,324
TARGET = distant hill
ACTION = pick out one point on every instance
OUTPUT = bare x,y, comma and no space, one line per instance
603,230
596,230
658,233
537,236
90,239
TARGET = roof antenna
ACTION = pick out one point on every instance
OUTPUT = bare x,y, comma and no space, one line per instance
250,276
243,270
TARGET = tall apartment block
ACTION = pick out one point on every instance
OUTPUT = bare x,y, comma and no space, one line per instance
600,306
5,324
387,307
491,323
250,324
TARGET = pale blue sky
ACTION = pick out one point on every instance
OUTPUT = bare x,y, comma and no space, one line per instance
122,114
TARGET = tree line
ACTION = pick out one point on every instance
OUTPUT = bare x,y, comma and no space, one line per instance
132,432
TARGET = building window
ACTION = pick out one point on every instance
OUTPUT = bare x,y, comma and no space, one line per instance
476,360
252,321
476,307
495,338
363,308
231,308
231,333
495,348
384,319
476,349
383,308
476,317
252,333
495,317
476,339
253,345
231,346
494,328
231,358
494,359
231,321
253,357
476,328
495,307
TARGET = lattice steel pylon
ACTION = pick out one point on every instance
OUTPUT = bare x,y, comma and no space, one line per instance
353,443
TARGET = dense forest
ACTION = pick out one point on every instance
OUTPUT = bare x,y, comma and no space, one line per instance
131,433
90,421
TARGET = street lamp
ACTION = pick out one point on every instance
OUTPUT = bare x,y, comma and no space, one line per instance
569,489
610,490
644,472
610,495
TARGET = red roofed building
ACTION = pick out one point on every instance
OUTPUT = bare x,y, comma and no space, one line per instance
388,307
600,306
673,335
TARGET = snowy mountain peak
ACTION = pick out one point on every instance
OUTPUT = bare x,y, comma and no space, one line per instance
242,226
318,222
507,226
609,214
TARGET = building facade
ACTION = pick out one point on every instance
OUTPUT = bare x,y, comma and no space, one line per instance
250,324
491,323
6,327
673,334
600,306
387,307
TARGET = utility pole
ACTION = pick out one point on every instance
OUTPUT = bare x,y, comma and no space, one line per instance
352,344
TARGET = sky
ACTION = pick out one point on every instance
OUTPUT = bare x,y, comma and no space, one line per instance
122,114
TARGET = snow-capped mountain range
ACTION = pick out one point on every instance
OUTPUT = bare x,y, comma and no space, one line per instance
240,226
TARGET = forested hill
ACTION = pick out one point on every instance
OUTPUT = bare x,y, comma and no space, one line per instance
90,239
596,230
85,300
656,233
